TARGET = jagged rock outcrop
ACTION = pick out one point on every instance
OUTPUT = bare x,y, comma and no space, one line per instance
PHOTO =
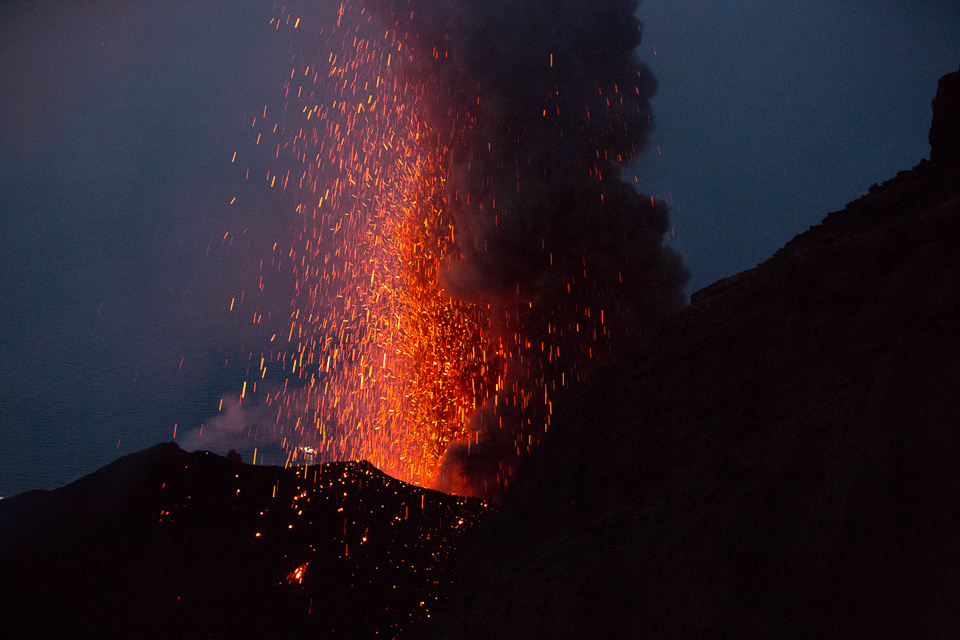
945,128
783,461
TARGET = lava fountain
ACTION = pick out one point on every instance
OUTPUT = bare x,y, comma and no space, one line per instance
385,366
465,246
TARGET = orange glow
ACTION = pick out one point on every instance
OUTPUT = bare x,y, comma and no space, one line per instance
382,365
297,574
390,369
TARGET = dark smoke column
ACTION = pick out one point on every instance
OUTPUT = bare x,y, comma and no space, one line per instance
538,106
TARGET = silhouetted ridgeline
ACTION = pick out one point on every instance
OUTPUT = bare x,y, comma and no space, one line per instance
783,461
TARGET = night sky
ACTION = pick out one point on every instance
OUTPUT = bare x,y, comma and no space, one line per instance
126,230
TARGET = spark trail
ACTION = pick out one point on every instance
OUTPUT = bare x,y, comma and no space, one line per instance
385,366
465,248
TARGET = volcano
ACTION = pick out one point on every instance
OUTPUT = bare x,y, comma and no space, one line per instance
782,460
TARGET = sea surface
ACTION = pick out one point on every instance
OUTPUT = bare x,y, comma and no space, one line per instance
126,228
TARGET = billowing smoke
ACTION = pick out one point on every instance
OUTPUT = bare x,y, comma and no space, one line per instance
538,105
251,426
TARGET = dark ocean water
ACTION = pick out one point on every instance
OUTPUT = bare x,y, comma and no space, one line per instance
116,192
81,389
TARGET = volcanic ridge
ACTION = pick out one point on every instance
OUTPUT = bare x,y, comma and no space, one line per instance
782,461
165,543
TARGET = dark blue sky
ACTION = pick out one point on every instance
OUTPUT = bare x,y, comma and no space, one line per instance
772,114
120,120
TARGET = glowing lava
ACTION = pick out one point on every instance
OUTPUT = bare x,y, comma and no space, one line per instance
420,152
388,368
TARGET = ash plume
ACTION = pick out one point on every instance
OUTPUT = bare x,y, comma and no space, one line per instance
538,106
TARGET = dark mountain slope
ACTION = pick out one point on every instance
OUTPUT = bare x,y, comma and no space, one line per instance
164,543
783,461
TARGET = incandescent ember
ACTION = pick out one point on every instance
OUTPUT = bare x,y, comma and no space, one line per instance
464,245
